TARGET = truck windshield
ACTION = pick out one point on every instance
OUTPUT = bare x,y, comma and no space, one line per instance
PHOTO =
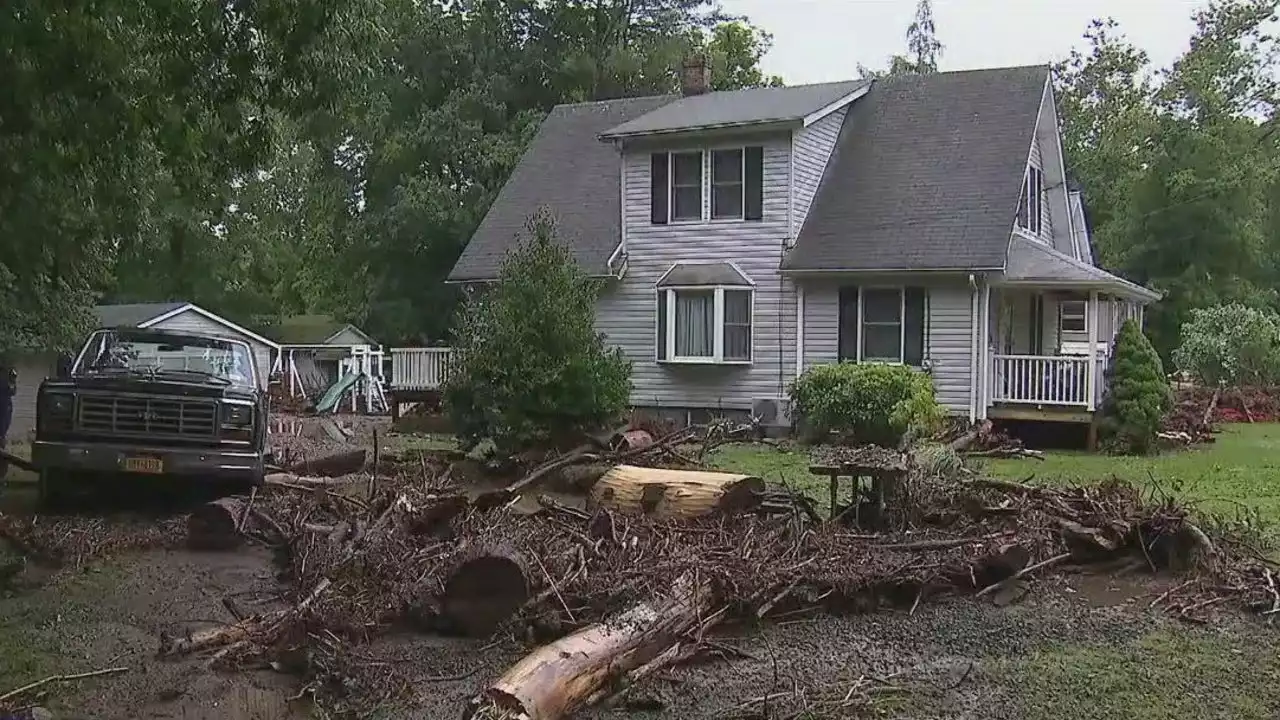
140,351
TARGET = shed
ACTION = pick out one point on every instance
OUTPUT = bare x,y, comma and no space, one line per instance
314,349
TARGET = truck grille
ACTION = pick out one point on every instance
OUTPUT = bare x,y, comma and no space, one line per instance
148,416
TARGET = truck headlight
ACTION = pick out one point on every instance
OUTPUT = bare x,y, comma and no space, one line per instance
59,405
237,416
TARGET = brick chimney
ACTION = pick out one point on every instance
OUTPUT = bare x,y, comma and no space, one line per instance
695,75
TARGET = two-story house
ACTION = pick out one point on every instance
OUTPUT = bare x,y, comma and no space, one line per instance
749,235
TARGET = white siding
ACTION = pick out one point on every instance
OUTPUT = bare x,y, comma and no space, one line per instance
191,321
32,370
813,147
627,312
949,344
345,338
948,330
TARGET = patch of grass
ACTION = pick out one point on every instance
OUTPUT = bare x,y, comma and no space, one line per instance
1241,470
1165,674
782,464
424,442
33,625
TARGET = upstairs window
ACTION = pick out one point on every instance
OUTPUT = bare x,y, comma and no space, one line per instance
1029,206
681,185
686,186
727,184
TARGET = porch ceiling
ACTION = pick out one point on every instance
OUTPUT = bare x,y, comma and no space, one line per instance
1035,264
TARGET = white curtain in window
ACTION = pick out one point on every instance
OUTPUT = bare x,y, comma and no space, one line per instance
695,324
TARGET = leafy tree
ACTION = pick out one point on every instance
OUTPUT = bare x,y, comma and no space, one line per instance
122,122
1231,345
1176,165
923,48
735,50
529,366
1137,394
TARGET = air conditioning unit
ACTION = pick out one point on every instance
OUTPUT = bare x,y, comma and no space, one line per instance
772,411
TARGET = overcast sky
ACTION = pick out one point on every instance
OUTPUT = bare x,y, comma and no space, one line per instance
823,40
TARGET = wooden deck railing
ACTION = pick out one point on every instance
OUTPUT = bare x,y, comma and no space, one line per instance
419,368
1043,379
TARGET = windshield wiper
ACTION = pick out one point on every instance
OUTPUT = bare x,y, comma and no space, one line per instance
201,373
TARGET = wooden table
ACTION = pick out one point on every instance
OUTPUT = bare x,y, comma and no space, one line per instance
884,482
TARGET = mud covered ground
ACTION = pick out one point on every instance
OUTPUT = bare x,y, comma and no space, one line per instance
1076,646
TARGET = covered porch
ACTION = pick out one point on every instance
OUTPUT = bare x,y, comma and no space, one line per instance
1049,327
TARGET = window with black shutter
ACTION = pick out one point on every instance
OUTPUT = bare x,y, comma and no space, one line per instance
686,186
885,324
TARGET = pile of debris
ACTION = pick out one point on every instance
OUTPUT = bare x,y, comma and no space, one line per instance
634,581
1197,410
636,576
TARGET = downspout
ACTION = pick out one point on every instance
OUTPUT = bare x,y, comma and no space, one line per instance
799,330
973,348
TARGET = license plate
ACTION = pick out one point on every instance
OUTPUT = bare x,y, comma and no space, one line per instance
153,466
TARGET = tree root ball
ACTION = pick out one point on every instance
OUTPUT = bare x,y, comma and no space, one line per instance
483,592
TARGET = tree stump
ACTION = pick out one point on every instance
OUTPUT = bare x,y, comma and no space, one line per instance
336,465
489,586
216,525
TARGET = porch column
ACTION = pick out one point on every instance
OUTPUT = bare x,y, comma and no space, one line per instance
984,348
1091,374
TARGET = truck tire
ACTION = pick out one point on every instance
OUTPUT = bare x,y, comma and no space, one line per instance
54,492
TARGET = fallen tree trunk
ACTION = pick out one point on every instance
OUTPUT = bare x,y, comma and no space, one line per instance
674,493
484,590
978,430
343,463
568,674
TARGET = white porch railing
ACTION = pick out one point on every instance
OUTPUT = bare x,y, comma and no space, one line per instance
419,368
1044,379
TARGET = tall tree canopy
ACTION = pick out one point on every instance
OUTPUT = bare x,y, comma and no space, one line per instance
121,124
1179,165
923,47
281,156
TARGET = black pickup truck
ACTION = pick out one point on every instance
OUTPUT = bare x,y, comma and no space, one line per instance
141,402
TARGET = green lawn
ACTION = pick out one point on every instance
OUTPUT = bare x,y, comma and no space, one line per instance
1241,470
1170,673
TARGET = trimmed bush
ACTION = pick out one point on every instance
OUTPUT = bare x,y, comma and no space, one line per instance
528,367
1137,394
871,403
1230,345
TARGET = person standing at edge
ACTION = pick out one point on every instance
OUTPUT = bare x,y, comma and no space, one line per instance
8,389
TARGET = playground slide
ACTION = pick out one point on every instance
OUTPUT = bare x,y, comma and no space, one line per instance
329,401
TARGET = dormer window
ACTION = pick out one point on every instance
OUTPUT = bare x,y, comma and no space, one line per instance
682,182
1032,195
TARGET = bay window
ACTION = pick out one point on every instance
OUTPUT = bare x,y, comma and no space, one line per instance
704,314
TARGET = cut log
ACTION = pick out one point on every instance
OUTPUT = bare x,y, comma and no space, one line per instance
978,430
484,590
337,465
566,675
1208,411
216,525
20,462
674,493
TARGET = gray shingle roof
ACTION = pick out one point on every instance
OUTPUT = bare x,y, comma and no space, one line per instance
1033,262
702,274
567,170
737,107
133,314
926,175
